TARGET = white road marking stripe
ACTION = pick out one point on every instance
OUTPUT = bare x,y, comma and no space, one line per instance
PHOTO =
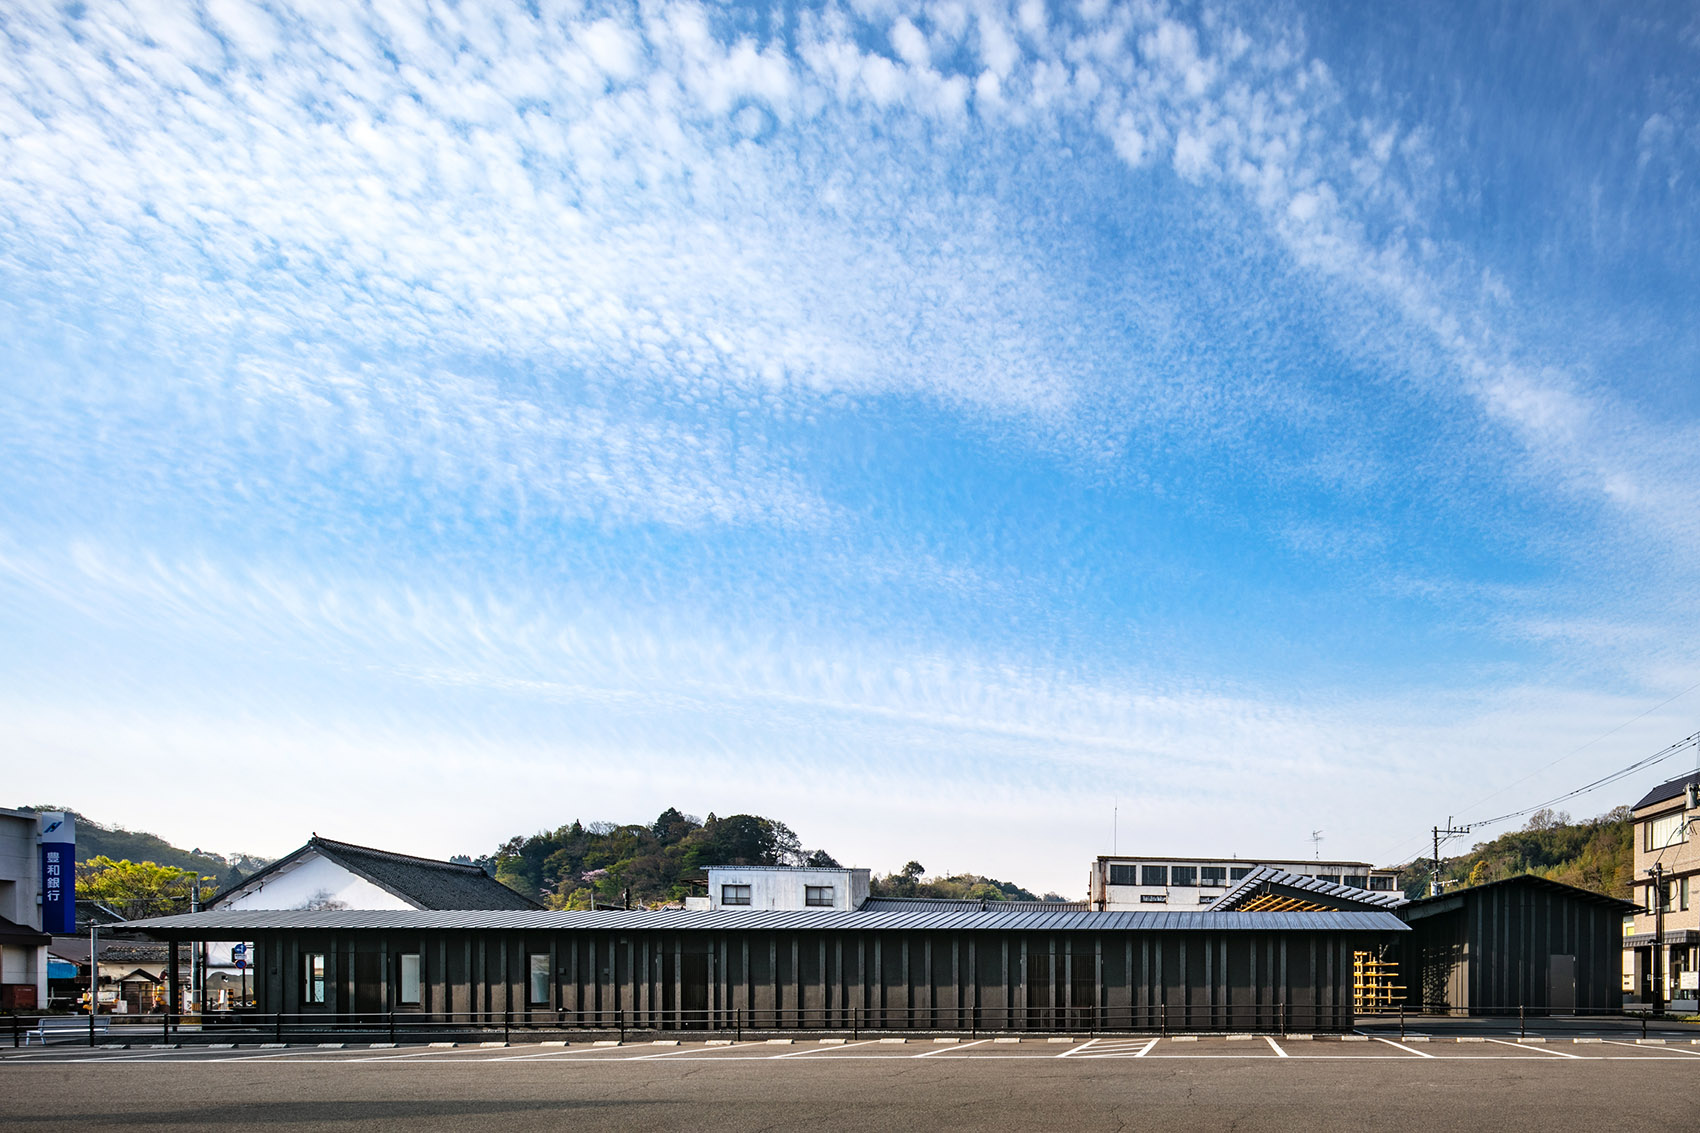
1146,1049
1275,1046
1077,1049
953,1049
1539,1049
1402,1046
1655,1049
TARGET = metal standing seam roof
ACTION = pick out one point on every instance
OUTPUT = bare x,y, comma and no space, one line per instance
950,904
1249,884
209,925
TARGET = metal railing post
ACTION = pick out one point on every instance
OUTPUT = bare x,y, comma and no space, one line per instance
1522,1023
738,1024
507,1022
165,1027
392,1026
620,1017
855,1020
1401,1022
1163,1019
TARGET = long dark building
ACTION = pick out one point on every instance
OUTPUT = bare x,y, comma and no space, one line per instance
1524,943
932,969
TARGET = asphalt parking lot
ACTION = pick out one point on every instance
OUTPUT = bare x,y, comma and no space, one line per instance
1467,1081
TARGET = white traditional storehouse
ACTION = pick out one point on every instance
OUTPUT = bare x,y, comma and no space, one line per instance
785,887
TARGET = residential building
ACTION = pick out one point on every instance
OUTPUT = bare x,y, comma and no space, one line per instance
785,887
1189,883
1667,890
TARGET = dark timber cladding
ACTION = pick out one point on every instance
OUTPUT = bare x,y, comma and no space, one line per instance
679,971
1524,943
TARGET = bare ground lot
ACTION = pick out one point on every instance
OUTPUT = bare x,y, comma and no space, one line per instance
1488,1081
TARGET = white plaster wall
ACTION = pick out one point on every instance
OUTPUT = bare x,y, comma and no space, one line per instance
315,882
784,888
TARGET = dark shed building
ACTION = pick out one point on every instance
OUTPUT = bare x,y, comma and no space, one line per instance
832,969
1522,943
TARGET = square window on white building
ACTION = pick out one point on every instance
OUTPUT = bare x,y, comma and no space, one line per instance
734,894
818,896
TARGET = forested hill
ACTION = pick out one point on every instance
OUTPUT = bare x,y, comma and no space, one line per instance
1598,854
656,863
95,839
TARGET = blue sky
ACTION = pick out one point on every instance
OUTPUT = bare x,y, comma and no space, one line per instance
933,425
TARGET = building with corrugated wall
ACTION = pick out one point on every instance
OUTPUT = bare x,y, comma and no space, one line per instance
925,969
1524,943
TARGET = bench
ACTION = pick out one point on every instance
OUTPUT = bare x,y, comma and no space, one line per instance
69,1025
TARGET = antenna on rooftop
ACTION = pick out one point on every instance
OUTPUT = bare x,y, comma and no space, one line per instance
1316,843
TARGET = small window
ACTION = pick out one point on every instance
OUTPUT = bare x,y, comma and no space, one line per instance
407,984
818,895
1682,893
1124,875
734,894
1183,875
1356,880
1153,898
1240,872
1380,883
313,977
537,990
1213,875
1331,878
1153,875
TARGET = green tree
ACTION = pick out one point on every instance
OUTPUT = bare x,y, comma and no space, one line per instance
140,889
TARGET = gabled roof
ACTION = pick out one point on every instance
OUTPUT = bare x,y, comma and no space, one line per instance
1268,888
1446,902
424,883
217,923
1673,789
958,904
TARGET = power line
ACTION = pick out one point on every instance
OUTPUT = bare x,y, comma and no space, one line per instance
1615,776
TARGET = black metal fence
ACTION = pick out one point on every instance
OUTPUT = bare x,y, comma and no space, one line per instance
535,1026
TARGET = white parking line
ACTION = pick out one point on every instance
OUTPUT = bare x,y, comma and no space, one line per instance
1402,1046
1540,1049
690,1050
1146,1049
1657,1049
825,1049
1275,1046
1077,1049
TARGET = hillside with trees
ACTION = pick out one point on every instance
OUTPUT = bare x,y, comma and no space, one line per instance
95,839
662,863
1597,854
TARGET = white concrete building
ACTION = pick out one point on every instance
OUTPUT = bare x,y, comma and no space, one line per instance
785,887
1193,883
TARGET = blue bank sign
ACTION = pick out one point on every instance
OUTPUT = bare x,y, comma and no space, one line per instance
58,872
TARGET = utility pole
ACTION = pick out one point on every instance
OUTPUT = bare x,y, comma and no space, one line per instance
1658,894
1434,882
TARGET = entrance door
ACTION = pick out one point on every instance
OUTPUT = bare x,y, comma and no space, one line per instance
368,983
1561,984
693,990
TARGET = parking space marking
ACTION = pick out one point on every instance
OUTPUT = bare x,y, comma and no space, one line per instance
691,1050
954,1049
1651,1049
1536,1049
1078,1049
1402,1046
1275,1046
825,1049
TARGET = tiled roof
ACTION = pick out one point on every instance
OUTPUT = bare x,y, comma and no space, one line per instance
1252,883
422,882
1668,790
211,925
